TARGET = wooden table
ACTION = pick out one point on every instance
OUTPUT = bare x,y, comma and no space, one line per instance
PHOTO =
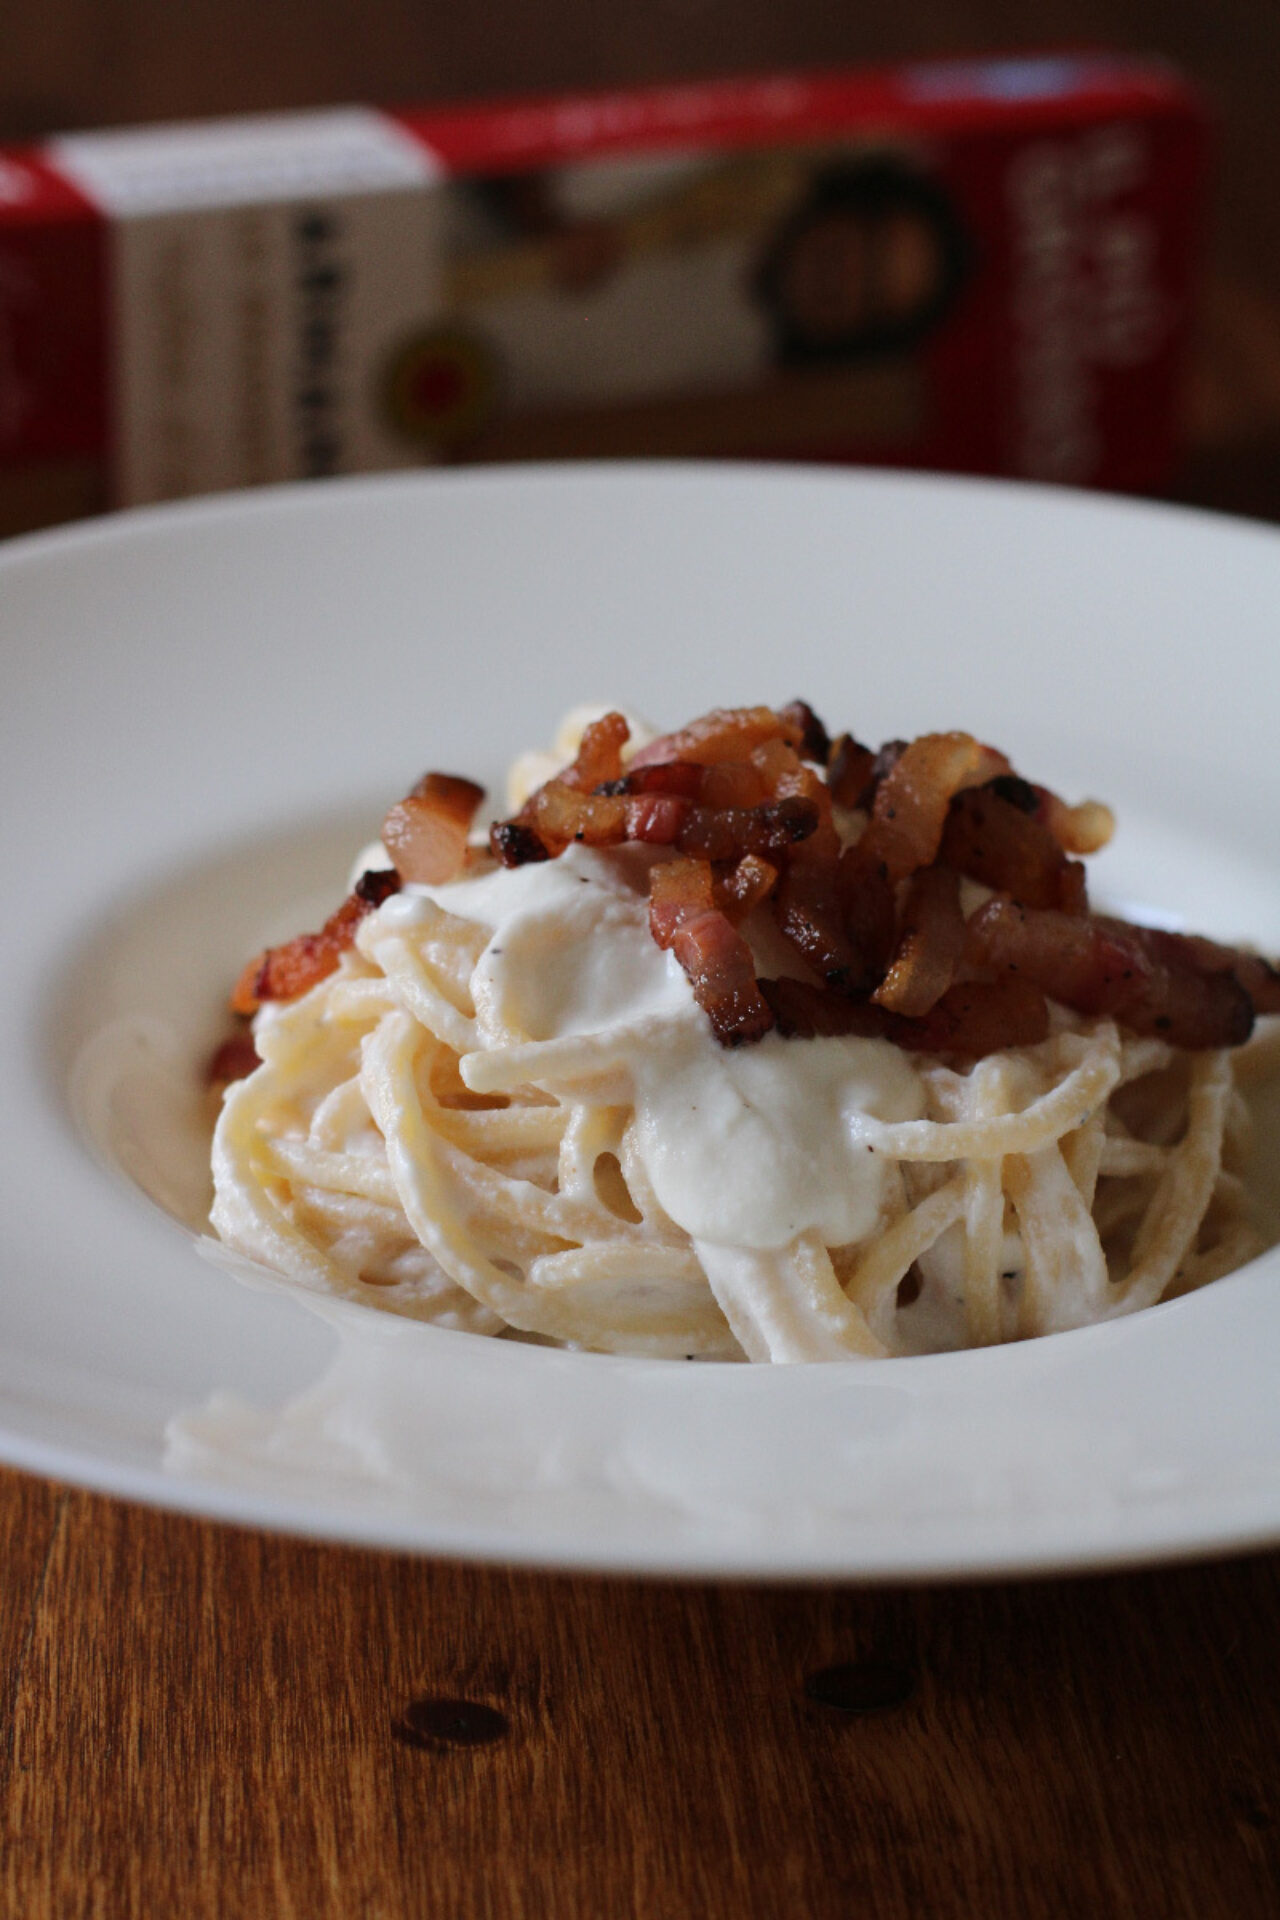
198,1720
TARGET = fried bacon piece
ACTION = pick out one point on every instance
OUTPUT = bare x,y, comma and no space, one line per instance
723,976
869,908
972,1019
803,1012
787,777
744,887
1085,828
683,890
426,832
557,815
815,741
978,1017
282,973
1153,982
726,733
912,799
599,758
887,758
1191,1009
807,912
727,833
563,809
772,772
732,783
656,819
850,771
855,774
1198,995
810,909
992,839
680,890
1260,980
1079,961
930,947
513,844
234,1059
838,913
683,778
1081,829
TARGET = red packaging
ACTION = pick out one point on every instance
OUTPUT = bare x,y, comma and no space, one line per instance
978,265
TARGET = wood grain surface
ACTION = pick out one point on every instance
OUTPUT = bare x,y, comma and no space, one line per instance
206,1722
203,1721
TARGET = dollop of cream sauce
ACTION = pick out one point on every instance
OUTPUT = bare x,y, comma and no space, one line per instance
745,1147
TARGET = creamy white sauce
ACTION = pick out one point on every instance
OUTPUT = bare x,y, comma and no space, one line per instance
745,1147
570,951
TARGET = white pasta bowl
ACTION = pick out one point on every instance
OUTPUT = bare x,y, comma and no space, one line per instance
208,709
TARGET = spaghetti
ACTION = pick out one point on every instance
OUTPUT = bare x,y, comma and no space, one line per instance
505,1108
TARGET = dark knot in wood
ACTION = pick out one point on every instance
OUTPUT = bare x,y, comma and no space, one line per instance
861,1686
437,1721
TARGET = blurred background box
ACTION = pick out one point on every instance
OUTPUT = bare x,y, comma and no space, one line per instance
980,265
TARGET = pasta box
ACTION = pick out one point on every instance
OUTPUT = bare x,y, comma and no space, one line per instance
981,265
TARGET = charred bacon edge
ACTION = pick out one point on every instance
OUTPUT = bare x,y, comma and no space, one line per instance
288,971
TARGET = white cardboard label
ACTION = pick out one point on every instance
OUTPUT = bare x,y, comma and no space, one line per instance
263,274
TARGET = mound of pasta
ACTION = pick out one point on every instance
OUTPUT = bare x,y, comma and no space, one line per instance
741,1041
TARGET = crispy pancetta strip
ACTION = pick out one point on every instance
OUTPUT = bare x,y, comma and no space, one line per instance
850,771
930,947
726,733
599,757
426,832
680,890
1149,980
722,974
991,839
744,886
282,973
911,802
